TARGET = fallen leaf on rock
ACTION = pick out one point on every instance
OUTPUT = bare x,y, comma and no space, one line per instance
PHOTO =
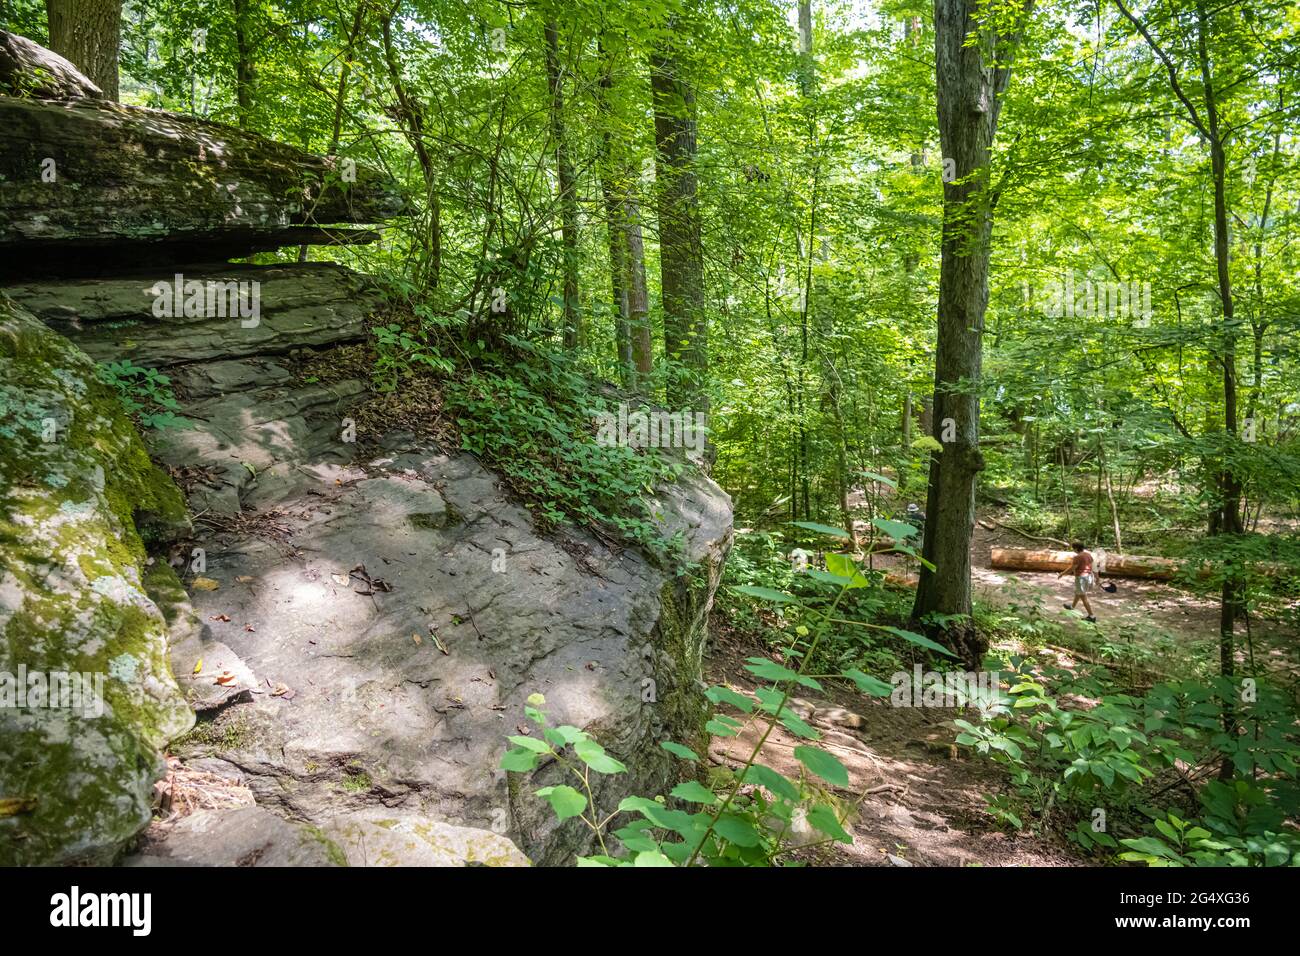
220,617
342,580
416,638
244,578
224,678
11,806
198,667
282,690
205,584
249,628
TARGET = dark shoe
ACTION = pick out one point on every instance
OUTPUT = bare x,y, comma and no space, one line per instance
1091,620
1068,607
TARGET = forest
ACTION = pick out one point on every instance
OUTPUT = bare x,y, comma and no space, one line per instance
754,433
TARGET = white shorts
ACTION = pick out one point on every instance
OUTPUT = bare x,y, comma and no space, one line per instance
1083,584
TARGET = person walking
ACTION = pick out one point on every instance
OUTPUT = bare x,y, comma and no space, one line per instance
1081,568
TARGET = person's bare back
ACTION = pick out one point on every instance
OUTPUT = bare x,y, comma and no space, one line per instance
1081,568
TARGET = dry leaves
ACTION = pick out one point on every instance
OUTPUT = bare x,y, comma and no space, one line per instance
12,806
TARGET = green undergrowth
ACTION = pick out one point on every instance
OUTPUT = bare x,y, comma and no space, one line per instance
532,416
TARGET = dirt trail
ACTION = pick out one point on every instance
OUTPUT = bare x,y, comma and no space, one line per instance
928,799
1150,605
920,800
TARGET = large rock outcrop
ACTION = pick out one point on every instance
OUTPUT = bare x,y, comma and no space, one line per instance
359,612
90,186
77,771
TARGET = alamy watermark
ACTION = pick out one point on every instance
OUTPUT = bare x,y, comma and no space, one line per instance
54,690
1092,298
211,299
653,429
953,689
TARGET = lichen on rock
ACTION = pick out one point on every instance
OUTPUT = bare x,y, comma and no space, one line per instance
75,482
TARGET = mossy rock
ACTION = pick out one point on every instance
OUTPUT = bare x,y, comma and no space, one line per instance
76,781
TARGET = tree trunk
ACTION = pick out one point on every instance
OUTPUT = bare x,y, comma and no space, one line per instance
638,292
567,193
630,294
1230,600
87,33
616,237
969,101
244,64
411,120
681,254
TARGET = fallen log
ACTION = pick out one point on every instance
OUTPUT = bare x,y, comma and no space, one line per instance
1116,565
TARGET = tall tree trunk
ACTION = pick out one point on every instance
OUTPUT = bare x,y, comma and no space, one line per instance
1225,518
244,63
87,32
411,121
616,237
969,101
638,292
681,253
1230,490
626,249
568,196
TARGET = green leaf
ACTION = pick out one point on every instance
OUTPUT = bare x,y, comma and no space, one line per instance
719,694
651,858
717,727
677,750
872,476
823,818
823,529
898,530
822,764
564,800
736,830
519,760
868,684
843,566
594,756
798,726
530,743
766,594
693,792
825,577
778,784
920,640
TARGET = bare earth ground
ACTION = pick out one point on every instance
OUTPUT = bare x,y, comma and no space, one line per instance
919,799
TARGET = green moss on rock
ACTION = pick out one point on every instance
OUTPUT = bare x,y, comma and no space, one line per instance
74,476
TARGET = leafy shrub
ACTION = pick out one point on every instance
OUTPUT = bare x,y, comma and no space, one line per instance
1071,761
753,818
535,423
1240,826
145,393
